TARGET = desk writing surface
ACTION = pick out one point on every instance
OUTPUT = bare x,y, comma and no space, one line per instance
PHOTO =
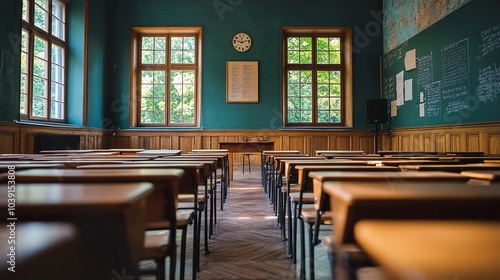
352,202
389,175
450,168
439,249
75,175
399,162
74,197
490,175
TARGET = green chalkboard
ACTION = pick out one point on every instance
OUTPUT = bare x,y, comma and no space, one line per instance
456,79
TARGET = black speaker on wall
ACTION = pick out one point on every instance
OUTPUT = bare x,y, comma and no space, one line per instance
376,110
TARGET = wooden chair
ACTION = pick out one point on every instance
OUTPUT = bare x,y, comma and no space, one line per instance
188,212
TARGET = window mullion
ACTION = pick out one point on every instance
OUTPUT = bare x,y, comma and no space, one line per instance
167,95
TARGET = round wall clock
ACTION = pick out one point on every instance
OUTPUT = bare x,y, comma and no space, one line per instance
242,42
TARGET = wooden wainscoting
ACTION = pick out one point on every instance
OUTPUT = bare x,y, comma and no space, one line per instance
20,138
478,137
305,141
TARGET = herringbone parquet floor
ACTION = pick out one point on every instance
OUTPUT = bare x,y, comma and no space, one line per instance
247,242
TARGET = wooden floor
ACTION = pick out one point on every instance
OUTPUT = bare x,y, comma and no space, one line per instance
247,242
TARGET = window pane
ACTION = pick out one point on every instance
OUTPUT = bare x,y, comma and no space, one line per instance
57,92
39,108
56,110
328,49
329,92
42,14
153,97
299,96
182,50
58,19
299,50
25,11
58,28
23,105
39,87
182,102
153,50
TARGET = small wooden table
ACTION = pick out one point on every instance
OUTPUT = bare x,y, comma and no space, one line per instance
441,249
110,218
242,147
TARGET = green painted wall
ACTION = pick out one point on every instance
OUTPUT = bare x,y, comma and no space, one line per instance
110,22
76,58
97,68
221,19
10,49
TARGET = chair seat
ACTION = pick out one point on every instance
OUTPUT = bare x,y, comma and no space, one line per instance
306,197
184,218
156,245
309,216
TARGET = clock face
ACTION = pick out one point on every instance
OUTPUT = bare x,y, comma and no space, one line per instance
242,42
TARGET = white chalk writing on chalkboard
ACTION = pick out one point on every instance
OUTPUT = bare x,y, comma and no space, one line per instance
433,99
424,68
390,87
489,84
455,76
490,40
455,64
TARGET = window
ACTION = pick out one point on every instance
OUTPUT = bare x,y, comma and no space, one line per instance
317,73
43,60
165,76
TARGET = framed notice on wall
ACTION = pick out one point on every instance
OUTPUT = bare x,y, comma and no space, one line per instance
242,81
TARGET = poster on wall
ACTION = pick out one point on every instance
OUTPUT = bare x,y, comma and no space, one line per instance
242,81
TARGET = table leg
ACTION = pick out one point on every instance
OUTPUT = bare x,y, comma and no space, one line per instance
231,165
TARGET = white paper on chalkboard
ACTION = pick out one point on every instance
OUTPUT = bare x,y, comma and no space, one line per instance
422,110
409,90
411,60
421,96
400,88
394,108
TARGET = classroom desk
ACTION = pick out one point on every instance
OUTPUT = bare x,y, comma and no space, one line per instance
126,151
355,201
343,152
194,173
406,153
450,168
75,163
68,152
160,152
40,245
165,182
110,219
265,165
484,177
242,147
471,159
5,167
398,162
433,249
306,185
